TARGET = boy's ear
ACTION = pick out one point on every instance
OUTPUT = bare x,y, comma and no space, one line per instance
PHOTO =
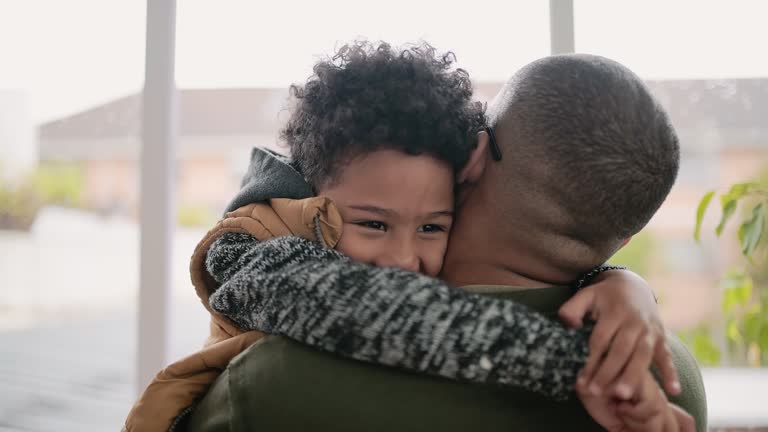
475,166
626,240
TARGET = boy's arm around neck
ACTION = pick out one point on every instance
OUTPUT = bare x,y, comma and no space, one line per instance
299,289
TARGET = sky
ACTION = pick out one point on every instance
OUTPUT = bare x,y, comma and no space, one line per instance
66,56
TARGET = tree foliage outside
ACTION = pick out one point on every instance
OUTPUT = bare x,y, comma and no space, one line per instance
194,216
48,184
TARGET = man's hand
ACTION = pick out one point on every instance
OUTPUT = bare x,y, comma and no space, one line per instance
648,412
628,335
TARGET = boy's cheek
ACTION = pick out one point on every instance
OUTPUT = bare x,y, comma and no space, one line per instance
434,256
356,246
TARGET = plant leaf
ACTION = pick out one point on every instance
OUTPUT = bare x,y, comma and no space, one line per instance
702,346
705,350
737,291
728,302
733,332
753,323
751,230
763,340
729,207
743,293
703,204
738,190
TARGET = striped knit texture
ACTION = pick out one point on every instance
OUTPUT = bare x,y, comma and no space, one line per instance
297,288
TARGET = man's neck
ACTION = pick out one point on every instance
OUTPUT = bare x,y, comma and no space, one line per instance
478,254
459,273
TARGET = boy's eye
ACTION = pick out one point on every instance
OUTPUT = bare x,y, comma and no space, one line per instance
431,228
375,225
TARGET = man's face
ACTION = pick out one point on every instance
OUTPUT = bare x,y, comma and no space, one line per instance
397,210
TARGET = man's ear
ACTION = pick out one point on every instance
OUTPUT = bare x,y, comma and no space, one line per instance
475,166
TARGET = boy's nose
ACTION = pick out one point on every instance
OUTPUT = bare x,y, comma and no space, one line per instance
406,262
404,257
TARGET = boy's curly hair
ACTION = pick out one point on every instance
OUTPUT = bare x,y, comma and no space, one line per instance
370,96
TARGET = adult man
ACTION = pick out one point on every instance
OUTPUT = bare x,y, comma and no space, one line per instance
588,157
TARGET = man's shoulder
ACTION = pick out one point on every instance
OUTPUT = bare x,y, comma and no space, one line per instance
283,385
693,397
278,384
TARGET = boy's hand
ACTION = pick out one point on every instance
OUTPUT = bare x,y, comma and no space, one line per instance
650,411
628,335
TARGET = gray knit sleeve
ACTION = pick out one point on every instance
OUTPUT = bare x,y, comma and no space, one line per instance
316,296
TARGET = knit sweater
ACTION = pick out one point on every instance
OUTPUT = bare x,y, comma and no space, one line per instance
317,296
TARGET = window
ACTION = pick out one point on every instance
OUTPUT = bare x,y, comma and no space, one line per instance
69,119
70,115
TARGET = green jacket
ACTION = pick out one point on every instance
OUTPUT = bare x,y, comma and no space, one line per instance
280,385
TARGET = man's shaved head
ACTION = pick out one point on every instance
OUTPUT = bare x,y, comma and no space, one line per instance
589,154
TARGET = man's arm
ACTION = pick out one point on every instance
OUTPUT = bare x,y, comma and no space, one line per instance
314,295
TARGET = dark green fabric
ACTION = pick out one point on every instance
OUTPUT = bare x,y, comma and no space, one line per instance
214,412
280,385
693,397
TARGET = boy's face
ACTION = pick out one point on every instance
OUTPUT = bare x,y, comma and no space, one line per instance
397,210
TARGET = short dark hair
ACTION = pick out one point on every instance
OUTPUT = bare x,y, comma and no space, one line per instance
371,96
608,148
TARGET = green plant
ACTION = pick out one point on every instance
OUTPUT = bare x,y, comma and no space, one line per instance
58,184
637,254
700,342
18,206
191,216
744,302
